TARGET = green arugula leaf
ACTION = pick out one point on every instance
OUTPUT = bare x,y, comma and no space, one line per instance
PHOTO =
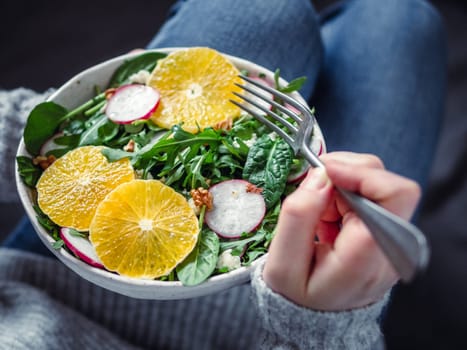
114,155
241,243
91,135
57,245
47,223
249,257
294,85
107,131
28,172
77,233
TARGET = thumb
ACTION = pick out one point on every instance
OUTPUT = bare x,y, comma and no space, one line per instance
289,260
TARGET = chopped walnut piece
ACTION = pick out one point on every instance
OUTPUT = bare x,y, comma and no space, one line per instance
109,93
130,146
250,188
202,196
224,125
43,161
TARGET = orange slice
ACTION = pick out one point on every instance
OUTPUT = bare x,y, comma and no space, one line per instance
143,229
70,189
195,85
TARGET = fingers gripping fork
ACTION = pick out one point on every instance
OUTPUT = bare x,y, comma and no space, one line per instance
402,242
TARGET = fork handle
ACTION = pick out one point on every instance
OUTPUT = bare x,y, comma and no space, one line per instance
402,242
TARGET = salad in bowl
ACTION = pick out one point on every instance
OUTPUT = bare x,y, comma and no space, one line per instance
141,176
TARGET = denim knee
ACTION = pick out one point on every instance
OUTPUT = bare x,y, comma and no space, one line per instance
273,33
416,21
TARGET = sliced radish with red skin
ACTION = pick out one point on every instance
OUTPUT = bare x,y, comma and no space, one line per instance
50,145
235,210
300,173
256,99
132,102
292,108
81,247
297,175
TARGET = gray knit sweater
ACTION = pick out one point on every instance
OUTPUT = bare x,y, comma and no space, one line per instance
44,305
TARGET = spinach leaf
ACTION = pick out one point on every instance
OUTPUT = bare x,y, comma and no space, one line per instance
201,262
29,172
42,123
146,61
267,166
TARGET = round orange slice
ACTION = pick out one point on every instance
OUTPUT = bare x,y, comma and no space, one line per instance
195,85
71,188
143,229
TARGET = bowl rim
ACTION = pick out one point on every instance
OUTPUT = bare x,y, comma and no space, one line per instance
136,287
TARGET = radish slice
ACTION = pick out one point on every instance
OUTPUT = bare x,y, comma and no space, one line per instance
299,174
132,102
235,210
50,145
81,247
262,92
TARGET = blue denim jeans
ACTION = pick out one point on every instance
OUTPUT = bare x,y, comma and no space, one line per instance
376,69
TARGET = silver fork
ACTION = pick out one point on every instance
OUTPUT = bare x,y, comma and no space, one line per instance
402,242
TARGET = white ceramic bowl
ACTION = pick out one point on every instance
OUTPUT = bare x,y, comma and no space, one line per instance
75,92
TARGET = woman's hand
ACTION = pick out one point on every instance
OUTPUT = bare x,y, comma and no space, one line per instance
344,268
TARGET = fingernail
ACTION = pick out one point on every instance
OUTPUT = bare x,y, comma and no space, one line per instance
316,179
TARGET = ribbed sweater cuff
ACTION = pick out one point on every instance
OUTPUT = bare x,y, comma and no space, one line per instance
290,326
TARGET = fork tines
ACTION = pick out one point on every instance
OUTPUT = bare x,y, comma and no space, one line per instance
302,120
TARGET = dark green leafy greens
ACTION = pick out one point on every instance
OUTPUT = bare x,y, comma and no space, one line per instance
268,166
182,160
51,227
29,172
294,85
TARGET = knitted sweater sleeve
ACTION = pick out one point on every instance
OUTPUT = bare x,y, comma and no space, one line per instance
289,326
15,106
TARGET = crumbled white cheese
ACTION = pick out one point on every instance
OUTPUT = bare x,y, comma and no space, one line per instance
139,174
251,141
229,261
272,136
140,77
191,203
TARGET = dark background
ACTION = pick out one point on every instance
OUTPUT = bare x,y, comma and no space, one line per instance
44,43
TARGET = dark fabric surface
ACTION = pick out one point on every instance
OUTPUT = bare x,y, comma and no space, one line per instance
432,312
44,43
